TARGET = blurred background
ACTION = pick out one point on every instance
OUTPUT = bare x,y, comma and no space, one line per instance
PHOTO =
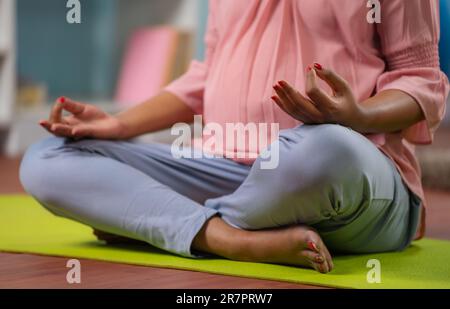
120,46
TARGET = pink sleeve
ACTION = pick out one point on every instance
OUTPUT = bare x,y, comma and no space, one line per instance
409,37
190,86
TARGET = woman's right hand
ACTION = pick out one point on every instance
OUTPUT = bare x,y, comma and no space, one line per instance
85,121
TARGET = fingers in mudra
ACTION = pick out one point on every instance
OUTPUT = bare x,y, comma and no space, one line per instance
296,105
317,106
85,120
57,124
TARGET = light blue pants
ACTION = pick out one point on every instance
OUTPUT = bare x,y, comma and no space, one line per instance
329,177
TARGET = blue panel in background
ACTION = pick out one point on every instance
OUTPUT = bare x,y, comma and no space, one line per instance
104,41
70,59
444,46
203,16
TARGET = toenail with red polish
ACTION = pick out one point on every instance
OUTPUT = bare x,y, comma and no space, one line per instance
313,246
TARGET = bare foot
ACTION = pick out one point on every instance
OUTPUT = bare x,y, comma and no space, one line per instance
296,245
113,239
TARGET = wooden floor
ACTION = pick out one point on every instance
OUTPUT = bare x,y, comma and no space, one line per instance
30,271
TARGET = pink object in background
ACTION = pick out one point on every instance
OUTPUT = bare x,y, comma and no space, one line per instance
146,65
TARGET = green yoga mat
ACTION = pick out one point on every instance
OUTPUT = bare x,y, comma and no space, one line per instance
26,227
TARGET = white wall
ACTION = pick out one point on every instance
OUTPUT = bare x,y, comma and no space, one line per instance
7,61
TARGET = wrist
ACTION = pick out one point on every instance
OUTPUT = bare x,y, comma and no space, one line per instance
363,119
122,129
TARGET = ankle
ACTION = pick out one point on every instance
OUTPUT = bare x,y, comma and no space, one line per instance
231,243
241,246
219,238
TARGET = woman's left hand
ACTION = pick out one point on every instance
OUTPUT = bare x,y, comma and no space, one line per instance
319,107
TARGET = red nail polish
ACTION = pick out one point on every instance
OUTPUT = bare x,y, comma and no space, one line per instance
318,66
312,246
308,68
282,83
62,100
273,98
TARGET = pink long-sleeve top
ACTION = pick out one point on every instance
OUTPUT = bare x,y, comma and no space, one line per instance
252,44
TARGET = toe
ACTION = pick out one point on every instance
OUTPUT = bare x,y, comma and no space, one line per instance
327,255
315,244
313,257
316,260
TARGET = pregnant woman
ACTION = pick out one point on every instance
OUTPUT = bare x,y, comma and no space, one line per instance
351,97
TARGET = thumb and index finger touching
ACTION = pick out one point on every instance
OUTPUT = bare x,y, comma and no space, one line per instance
55,119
